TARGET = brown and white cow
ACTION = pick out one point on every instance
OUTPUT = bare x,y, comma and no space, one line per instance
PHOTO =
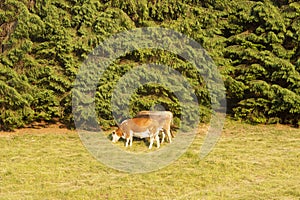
164,118
138,127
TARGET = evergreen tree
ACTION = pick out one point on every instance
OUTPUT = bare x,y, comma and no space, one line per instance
43,43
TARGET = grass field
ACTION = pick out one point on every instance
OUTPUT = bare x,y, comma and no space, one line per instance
248,162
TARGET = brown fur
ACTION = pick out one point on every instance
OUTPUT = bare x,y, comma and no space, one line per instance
163,117
136,125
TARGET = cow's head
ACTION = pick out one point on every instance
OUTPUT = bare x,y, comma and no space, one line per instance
116,135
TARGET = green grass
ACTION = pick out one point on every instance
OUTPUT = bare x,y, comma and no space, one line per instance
248,162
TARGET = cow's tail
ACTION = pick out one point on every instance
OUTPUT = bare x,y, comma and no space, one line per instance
172,134
171,124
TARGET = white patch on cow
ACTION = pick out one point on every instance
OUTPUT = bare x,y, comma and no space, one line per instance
115,137
141,135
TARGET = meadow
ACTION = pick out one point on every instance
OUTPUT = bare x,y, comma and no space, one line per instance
248,162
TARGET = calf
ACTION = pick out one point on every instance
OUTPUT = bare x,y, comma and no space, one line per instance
137,127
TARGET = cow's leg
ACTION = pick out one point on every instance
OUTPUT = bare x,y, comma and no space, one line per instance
127,141
151,142
163,136
157,140
169,135
131,138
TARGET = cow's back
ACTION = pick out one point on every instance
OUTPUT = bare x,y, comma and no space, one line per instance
139,124
155,113
163,117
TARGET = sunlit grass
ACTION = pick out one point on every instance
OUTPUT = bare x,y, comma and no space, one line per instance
248,162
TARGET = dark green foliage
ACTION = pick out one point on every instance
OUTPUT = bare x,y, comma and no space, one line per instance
255,44
14,99
263,55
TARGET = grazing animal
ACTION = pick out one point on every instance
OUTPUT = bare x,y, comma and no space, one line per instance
138,127
164,118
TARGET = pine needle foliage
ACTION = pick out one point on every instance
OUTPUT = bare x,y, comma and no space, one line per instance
43,43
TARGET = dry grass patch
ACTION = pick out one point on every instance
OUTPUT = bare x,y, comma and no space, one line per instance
248,162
